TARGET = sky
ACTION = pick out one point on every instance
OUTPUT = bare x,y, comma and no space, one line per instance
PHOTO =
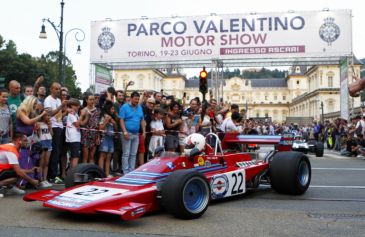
21,20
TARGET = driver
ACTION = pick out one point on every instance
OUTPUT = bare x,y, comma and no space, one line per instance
194,141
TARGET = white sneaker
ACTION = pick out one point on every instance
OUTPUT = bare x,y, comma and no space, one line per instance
45,184
15,190
1,195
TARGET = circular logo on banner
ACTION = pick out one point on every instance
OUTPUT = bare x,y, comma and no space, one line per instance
219,186
329,31
106,39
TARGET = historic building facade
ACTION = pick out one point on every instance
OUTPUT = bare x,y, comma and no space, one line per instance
300,94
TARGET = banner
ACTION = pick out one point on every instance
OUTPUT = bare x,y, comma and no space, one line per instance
272,36
344,92
103,78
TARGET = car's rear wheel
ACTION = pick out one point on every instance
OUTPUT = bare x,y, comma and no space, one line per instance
83,173
319,148
185,194
290,173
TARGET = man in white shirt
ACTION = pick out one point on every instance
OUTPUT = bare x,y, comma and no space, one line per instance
53,104
230,124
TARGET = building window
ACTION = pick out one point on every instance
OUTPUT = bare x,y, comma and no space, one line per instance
275,97
284,97
188,98
243,97
298,82
266,115
227,97
266,97
257,114
330,81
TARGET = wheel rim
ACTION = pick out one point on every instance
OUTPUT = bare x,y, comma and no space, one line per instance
195,195
303,174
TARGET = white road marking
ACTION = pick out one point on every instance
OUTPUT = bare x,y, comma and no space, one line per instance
328,186
351,169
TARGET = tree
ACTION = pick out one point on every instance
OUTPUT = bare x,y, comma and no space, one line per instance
24,68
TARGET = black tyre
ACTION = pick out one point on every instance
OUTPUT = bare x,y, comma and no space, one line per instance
312,146
90,171
319,148
290,173
185,194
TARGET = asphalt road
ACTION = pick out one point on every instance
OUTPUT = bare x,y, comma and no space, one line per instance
334,205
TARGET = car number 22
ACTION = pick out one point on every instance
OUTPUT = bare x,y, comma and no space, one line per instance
228,184
237,187
91,192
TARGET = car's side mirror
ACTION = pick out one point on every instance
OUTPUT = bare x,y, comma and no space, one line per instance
158,151
194,152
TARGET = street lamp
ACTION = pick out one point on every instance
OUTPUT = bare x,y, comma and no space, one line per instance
62,50
78,39
59,32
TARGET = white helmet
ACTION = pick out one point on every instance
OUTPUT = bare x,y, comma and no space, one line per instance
194,140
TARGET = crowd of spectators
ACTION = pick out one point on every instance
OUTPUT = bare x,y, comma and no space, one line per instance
119,131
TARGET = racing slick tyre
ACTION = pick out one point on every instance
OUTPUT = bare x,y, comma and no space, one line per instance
91,171
312,146
290,172
185,194
319,149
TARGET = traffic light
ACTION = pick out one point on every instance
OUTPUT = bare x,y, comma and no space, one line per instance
203,81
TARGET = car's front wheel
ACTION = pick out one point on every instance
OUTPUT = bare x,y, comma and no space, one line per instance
186,194
83,173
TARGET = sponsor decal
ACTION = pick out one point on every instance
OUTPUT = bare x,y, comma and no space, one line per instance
219,186
201,161
138,211
246,163
183,164
170,165
208,163
67,202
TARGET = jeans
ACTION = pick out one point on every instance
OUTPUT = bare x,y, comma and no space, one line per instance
129,154
57,139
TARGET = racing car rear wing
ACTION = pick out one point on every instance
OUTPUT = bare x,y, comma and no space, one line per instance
249,139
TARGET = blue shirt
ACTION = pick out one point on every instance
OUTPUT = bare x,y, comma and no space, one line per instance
132,117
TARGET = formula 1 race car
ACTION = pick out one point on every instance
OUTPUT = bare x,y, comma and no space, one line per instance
300,144
183,184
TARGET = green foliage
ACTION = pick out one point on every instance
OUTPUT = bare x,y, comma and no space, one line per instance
25,68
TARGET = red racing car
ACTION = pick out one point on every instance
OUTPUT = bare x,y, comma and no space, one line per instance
183,184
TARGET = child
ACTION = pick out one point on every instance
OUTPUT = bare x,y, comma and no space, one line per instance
73,135
44,131
109,127
158,132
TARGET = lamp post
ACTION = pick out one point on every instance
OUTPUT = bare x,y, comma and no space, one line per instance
78,39
59,32
62,50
